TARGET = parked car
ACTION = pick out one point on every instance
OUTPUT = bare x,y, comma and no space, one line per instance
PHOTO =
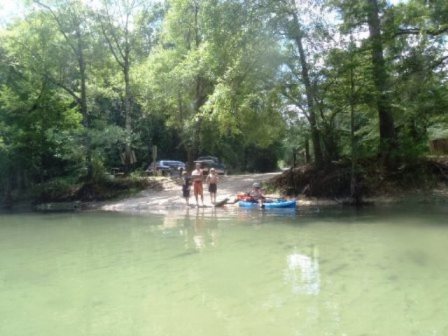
208,162
166,167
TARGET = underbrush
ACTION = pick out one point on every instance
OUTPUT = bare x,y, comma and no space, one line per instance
334,181
61,190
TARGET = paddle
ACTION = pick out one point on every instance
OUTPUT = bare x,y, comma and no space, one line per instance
221,203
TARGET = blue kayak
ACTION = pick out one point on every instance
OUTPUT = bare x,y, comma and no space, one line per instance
274,204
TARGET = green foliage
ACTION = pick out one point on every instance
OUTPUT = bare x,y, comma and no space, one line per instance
56,189
203,80
439,129
204,85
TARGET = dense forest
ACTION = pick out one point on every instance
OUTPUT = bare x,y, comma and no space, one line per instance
87,86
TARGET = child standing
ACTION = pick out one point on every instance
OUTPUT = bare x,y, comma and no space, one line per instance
212,180
186,185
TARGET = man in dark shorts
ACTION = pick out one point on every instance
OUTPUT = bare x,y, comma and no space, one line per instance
212,180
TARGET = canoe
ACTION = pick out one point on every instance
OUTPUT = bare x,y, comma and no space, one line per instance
274,204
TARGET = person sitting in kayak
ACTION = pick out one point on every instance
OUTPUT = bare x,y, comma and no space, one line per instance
256,194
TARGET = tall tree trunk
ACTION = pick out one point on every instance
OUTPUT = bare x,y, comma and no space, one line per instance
77,46
354,187
83,103
307,151
7,199
121,51
381,80
198,124
127,109
315,136
199,90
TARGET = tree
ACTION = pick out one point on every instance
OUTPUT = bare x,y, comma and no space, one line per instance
71,20
286,16
381,79
212,75
416,39
118,26
38,125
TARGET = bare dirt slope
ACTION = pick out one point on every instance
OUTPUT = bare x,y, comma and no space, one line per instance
171,195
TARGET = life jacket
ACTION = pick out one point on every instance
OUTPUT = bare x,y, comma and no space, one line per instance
245,197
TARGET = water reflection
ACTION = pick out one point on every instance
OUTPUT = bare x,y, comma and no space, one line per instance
302,272
220,276
200,233
255,213
197,226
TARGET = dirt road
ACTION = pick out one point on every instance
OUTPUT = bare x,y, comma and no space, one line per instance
171,195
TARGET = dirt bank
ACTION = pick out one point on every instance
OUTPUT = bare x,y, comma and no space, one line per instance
423,181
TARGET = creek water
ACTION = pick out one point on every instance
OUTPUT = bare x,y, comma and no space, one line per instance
330,271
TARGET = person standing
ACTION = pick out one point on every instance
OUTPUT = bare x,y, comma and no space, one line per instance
212,181
186,185
197,176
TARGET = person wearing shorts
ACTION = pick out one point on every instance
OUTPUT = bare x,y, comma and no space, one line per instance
196,175
212,181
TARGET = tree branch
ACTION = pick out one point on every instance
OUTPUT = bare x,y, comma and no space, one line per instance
66,88
58,23
417,31
439,62
111,47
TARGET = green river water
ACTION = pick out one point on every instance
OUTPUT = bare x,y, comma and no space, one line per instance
226,272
